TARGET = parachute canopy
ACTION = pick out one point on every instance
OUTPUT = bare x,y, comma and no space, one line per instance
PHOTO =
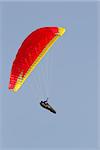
30,53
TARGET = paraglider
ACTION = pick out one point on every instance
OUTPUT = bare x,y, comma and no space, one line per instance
30,53
45,105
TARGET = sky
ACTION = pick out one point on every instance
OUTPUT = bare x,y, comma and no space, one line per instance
67,75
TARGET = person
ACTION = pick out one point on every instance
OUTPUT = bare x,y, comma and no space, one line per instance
45,105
